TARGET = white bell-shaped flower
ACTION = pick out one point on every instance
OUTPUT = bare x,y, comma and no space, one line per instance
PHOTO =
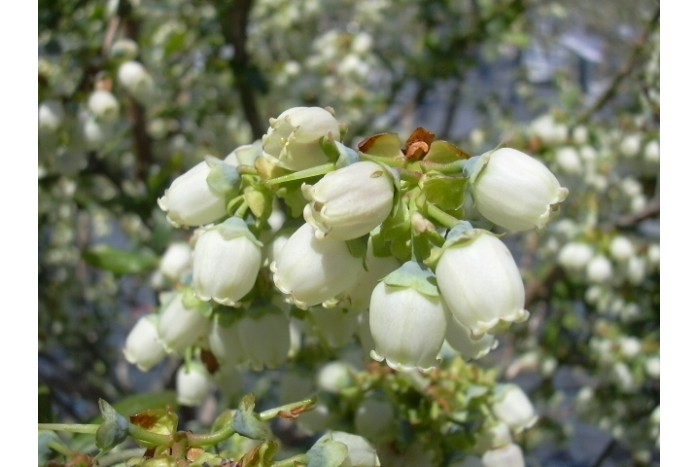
312,271
461,340
136,80
193,200
621,248
574,256
335,326
348,203
142,347
103,105
374,419
599,270
176,261
294,137
360,451
227,259
480,282
193,384
376,268
513,407
509,455
225,343
180,327
407,320
51,116
514,190
265,337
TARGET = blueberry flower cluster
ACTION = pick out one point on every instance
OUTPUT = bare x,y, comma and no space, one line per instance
377,242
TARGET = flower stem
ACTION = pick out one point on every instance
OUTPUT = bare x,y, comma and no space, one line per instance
84,428
441,216
303,174
149,437
211,439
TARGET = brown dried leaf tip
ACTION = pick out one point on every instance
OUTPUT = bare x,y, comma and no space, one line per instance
418,144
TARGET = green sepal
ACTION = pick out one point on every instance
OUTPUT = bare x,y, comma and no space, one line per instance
474,166
346,156
327,453
445,192
358,247
246,421
113,431
329,148
191,302
225,316
462,232
223,420
293,198
223,178
235,227
442,152
412,274
421,246
121,262
259,202
160,421
261,455
387,145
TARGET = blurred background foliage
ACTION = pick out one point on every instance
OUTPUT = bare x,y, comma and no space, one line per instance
575,84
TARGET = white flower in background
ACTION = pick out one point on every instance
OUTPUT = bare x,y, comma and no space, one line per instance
580,134
568,160
142,347
136,80
508,456
94,132
230,382
621,248
227,259
629,347
51,116
599,270
374,419
514,190
461,340
407,322
494,435
335,376
654,255
103,105
362,42
653,367
265,337
548,130
124,48
480,282
176,260
192,384
636,270
179,327
225,343
513,407
360,452
192,200
575,255
348,203
652,151
335,326
312,271
294,137
623,377
631,145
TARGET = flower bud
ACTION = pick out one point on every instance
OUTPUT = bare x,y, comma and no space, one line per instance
192,201
176,261
335,376
136,80
227,259
374,419
513,407
103,105
294,137
193,384
50,116
480,282
142,347
508,456
348,203
312,271
514,190
407,320
179,327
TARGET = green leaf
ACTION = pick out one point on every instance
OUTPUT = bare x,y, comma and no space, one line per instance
382,145
327,453
247,423
113,431
121,262
442,152
258,203
162,420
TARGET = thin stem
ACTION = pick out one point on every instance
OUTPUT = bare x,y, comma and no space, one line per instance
117,457
272,413
441,216
383,160
302,174
299,459
70,427
211,439
149,437
61,449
